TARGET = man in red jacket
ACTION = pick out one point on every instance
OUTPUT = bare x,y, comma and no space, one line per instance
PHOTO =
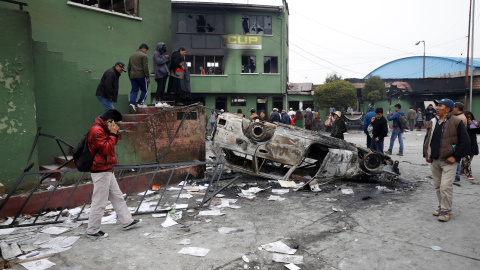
102,137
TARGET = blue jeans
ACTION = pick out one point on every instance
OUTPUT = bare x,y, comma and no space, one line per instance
107,104
138,83
377,146
457,173
396,132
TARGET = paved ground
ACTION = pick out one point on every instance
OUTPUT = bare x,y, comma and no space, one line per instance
394,230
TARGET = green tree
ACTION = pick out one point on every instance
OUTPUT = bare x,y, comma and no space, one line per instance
374,89
338,94
332,77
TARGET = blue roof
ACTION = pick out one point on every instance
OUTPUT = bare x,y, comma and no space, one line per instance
412,67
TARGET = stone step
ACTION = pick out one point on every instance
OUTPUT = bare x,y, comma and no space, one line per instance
60,160
56,175
134,117
127,126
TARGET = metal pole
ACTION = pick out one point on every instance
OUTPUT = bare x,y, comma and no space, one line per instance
471,64
424,59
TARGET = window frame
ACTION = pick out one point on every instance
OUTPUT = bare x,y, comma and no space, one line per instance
243,65
213,16
107,11
254,18
238,103
277,67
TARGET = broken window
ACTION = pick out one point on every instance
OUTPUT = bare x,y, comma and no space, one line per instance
239,101
270,64
200,23
205,65
129,7
257,25
249,64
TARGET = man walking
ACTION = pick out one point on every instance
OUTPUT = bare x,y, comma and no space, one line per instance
275,116
107,90
446,142
411,118
396,130
380,130
139,76
458,112
367,121
102,137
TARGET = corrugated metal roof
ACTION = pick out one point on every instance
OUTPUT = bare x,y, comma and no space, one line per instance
412,67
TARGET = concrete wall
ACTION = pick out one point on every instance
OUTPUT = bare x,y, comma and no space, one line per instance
17,111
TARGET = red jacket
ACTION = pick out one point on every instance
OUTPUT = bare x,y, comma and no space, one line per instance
102,142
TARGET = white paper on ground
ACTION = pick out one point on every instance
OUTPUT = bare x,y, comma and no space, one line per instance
148,192
74,211
185,196
283,258
292,266
159,215
284,183
60,242
7,222
173,188
337,209
226,230
111,219
280,191
180,206
176,216
194,251
234,206
38,265
181,183
7,231
211,213
275,198
10,251
245,258
279,247
55,230
229,200
347,191
184,242
168,222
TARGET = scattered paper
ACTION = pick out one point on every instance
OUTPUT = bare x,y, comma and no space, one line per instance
55,230
185,196
180,206
337,209
284,183
331,199
220,195
347,191
226,230
111,219
38,265
181,183
10,251
211,213
60,242
245,259
176,216
159,215
8,221
168,222
148,192
173,188
229,200
280,191
437,248
275,198
7,231
279,247
383,188
292,266
292,259
194,251
234,206
184,242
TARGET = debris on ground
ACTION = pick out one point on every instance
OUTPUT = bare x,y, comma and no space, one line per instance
284,258
279,247
184,242
347,191
195,251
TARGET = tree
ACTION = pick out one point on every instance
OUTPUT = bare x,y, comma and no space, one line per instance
332,77
374,89
338,94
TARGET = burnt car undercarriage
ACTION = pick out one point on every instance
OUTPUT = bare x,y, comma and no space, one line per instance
278,151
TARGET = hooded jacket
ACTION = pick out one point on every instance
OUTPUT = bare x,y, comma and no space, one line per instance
394,117
108,87
101,143
367,120
160,62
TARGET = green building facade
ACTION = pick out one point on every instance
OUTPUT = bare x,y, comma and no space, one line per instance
237,54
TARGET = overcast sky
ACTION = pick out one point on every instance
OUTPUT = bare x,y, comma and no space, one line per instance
352,37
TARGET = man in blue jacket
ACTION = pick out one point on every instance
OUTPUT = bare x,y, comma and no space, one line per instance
367,121
396,130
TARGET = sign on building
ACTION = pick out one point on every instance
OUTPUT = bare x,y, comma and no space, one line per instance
241,42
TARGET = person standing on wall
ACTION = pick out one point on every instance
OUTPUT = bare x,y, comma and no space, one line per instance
107,90
367,121
102,138
446,142
396,130
411,118
160,69
139,76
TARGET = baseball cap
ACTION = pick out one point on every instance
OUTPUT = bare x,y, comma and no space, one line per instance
447,102
459,104
121,65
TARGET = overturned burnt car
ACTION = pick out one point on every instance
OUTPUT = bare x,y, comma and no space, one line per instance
278,151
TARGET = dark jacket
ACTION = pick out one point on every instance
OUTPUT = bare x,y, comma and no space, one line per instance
429,114
453,133
308,118
286,119
367,120
275,117
380,128
108,87
160,62
472,133
102,142
175,61
395,118
339,127
138,65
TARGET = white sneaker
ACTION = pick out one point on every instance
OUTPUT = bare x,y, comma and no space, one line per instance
142,106
132,106
158,105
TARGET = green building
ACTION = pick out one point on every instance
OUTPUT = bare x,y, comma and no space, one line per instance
237,54
52,56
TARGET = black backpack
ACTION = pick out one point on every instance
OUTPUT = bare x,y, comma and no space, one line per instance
402,122
81,156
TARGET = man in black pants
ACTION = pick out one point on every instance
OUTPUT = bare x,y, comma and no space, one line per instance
160,68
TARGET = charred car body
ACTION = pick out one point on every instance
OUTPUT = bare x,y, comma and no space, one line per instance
278,151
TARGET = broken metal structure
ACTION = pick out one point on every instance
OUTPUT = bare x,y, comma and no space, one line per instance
278,151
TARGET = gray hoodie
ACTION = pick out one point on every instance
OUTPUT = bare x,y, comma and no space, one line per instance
160,62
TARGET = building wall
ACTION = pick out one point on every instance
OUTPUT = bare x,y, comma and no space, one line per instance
17,113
